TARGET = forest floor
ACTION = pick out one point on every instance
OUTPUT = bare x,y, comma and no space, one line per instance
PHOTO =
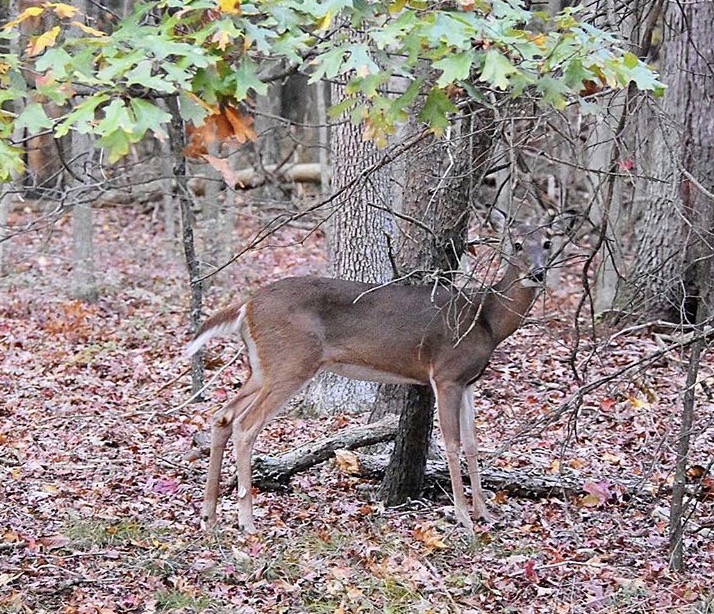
99,511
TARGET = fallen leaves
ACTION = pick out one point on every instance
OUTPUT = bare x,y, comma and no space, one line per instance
100,507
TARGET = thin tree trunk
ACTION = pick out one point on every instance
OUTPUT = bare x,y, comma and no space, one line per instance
84,284
677,518
79,182
177,137
7,10
215,234
5,204
168,202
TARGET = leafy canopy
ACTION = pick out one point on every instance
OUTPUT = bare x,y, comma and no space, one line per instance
216,54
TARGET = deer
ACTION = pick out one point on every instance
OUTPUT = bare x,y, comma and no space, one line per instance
297,327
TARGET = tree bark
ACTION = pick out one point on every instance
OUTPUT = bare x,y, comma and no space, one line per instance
677,520
279,470
672,274
79,180
7,10
177,138
274,473
674,234
84,283
5,203
358,234
404,475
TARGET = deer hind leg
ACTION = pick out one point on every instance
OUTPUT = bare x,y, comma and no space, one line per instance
221,431
448,404
245,431
468,440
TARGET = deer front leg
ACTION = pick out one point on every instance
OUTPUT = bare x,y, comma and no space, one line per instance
468,440
448,403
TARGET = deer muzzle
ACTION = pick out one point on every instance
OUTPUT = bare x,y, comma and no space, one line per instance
537,275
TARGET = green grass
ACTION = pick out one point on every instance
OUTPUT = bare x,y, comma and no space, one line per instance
175,600
87,533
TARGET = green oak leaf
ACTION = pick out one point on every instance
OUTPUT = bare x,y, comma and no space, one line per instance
496,69
454,68
436,110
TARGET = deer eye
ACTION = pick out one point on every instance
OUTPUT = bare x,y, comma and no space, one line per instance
517,246
547,244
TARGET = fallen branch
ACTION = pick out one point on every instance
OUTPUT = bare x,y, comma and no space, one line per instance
269,472
301,173
275,473
521,483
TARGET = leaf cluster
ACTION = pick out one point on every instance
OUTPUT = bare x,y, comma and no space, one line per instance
109,81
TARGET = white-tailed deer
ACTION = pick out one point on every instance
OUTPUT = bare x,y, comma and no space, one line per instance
297,327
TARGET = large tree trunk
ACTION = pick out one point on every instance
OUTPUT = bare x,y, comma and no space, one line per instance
674,235
358,243
680,283
609,148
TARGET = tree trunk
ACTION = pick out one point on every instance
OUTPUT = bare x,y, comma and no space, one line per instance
177,137
84,284
609,147
440,175
672,274
80,184
404,475
216,229
5,204
358,245
677,512
674,235
7,10
169,209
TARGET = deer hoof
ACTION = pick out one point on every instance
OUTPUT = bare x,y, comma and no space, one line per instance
208,522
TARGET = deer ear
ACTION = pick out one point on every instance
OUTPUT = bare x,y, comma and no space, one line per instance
565,222
498,220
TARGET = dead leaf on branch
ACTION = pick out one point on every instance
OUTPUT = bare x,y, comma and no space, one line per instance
221,126
241,123
39,43
224,168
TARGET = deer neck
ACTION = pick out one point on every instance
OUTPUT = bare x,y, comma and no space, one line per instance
507,304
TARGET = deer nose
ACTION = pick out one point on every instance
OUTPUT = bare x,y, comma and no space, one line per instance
537,275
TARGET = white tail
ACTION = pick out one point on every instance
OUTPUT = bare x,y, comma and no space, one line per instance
299,326
231,322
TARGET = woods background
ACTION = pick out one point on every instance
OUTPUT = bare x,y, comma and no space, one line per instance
163,160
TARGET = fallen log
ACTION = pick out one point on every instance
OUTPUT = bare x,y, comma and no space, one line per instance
274,473
252,177
519,483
